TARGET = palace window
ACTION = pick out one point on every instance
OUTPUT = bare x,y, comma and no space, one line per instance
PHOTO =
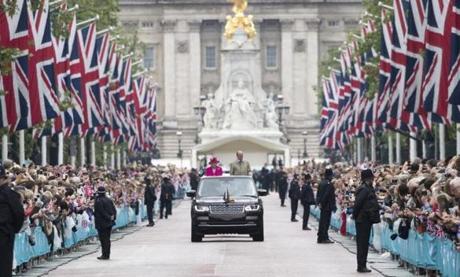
149,57
211,57
271,59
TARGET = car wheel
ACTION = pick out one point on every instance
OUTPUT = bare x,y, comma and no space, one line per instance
259,236
195,236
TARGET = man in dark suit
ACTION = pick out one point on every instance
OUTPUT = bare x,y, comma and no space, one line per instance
11,220
306,199
294,195
166,196
325,199
149,200
282,186
104,215
365,213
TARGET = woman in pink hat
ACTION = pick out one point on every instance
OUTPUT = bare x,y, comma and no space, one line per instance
214,169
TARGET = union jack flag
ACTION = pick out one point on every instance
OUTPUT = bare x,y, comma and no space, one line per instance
454,75
384,69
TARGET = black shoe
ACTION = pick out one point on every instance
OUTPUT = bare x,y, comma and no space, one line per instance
150,225
103,258
328,241
294,220
364,270
306,229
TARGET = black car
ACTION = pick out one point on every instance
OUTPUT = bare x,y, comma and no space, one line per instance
227,205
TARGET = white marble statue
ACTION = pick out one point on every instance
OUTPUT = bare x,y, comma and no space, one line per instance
211,117
239,109
271,118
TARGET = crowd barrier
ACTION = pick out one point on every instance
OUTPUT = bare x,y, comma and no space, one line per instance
420,250
24,251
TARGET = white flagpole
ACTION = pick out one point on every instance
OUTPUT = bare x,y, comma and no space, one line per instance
413,147
398,148
82,152
44,150
22,153
390,148
373,148
442,142
93,152
458,139
60,148
4,147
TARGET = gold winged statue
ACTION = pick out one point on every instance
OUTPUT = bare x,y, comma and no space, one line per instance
239,20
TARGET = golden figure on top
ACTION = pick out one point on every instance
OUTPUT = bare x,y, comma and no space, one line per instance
239,20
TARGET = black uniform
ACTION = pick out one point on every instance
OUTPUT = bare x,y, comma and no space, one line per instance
294,195
11,220
325,198
365,213
149,200
306,199
194,180
104,216
282,187
166,197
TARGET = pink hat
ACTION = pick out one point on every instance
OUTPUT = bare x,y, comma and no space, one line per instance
214,160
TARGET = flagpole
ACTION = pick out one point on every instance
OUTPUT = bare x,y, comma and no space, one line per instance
458,139
413,147
22,158
373,148
44,150
60,148
104,155
82,152
390,148
398,148
442,141
93,152
4,147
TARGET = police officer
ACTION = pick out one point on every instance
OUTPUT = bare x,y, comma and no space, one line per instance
306,199
104,215
11,220
166,196
282,186
365,213
294,195
325,199
149,200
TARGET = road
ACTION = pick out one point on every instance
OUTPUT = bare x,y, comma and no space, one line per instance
166,250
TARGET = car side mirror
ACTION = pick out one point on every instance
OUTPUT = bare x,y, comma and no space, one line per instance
191,193
262,192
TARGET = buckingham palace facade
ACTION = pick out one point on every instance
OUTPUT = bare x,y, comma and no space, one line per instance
183,40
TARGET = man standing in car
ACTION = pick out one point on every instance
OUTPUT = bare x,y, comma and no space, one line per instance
104,215
325,199
11,220
240,167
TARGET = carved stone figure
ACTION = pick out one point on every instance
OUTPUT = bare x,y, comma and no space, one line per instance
211,117
239,109
271,118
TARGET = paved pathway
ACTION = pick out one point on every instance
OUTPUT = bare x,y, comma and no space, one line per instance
166,250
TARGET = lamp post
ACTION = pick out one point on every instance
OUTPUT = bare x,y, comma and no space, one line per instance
282,109
179,141
305,134
200,111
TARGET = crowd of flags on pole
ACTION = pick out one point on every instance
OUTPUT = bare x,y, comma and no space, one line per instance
80,85
419,74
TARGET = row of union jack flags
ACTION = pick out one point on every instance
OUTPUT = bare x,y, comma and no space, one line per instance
419,74
80,85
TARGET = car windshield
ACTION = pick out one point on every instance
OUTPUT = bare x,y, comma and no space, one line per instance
235,186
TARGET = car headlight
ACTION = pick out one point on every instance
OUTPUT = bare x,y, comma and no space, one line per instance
252,208
201,209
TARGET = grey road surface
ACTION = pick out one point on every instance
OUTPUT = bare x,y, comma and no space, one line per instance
166,250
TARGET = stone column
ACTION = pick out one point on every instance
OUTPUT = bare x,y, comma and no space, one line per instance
22,151
458,138
287,60
169,27
312,63
4,147
442,142
44,148
195,65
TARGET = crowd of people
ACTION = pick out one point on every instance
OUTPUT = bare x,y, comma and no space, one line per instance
62,200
